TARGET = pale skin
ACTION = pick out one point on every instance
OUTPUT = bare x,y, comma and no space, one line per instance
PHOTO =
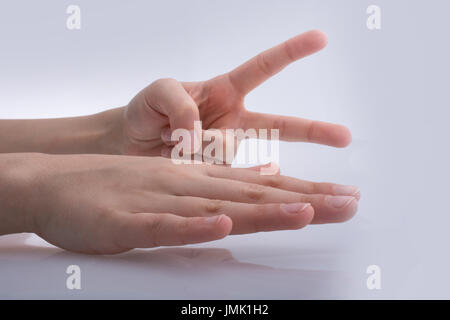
97,184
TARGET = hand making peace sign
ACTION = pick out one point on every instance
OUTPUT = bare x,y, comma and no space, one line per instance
167,104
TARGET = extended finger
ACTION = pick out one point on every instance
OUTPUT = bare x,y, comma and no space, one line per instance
298,129
266,64
147,230
283,182
246,217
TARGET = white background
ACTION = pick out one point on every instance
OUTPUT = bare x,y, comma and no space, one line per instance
389,86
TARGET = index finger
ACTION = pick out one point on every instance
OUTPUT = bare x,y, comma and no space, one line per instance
255,71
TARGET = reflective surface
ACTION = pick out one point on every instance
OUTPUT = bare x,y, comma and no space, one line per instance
389,86
32,269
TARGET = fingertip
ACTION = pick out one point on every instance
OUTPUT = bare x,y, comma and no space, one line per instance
342,136
318,39
226,224
222,225
349,212
307,43
299,214
307,216
303,219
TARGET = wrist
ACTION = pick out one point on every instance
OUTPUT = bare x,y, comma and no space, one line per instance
110,136
17,182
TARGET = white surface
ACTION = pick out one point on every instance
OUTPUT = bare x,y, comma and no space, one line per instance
389,86
250,267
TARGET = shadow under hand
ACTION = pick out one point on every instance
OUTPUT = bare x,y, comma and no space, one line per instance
165,273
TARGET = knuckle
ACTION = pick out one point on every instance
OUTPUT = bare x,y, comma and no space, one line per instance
280,124
206,170
254,192
169,169
213,206
319,187
310,130
273,181
105,216
184,228
311,188
173,172
288,50
305,198
185,108
263,65
162,81
324,187
155,85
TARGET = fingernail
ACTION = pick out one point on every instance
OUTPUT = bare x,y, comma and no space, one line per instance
214,219
339,201
294,207
346,190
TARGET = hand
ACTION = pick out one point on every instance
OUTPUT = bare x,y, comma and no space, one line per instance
110,204
167,104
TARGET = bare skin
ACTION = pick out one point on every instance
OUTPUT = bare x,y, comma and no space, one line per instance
113,199
219,104
143,127
110,204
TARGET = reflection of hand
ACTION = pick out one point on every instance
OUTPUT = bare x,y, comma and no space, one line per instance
110,204
167,104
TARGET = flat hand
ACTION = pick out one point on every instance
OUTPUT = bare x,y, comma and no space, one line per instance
167,104
110,204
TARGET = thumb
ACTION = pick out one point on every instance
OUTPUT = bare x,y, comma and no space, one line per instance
167,96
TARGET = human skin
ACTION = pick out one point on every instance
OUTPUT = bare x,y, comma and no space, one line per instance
219,104
107,203
144,126
102,204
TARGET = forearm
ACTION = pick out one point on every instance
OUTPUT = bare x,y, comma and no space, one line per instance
88,134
